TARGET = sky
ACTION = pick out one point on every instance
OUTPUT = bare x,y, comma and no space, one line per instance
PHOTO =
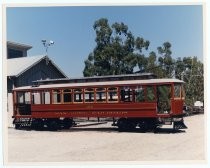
71,29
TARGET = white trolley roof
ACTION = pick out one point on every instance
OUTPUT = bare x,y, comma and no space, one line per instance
105,83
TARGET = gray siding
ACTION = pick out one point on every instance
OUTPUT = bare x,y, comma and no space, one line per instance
42,70
9,84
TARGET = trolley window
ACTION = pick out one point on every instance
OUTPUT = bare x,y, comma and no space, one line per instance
126,94
177,91
23,97
150,93
100,95
36,97
45,97
67,96
139,94
78,96
20,97
164,96
112,95
89,95
23,106
56,96
183,91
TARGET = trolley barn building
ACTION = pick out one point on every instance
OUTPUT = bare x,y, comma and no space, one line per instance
22,70
17,50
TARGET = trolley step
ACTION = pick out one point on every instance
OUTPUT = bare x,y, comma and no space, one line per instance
179,125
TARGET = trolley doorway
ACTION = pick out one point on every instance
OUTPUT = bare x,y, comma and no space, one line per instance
164,99
23,103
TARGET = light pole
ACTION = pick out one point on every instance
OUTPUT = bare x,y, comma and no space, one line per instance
47,44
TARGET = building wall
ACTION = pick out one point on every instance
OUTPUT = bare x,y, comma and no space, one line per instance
16,53
16,50
42,70
9,84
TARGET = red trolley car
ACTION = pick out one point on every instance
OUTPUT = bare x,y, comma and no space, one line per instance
146,103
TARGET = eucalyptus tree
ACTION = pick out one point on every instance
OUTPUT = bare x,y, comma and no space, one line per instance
194,79
153,65
190,69
117,51
180,68
165,60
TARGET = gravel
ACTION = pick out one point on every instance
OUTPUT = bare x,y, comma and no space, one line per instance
103,142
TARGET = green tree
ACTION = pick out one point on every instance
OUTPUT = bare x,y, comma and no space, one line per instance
195,81
117,51
152,65
190,70
165,60
180,68
89,66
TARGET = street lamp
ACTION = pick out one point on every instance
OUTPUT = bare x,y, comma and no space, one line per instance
47,44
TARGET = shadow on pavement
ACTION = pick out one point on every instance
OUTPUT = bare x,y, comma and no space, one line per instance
86,128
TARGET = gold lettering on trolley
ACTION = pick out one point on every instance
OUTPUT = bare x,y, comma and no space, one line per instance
89,107
109,112
61,113
93,113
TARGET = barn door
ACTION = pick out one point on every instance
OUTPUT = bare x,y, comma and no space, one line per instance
164,99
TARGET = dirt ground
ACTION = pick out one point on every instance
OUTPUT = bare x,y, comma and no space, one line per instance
104,143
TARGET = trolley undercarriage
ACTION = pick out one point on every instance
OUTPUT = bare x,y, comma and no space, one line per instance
123,124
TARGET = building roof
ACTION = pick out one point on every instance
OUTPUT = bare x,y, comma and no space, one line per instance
106,83
18,45
17,66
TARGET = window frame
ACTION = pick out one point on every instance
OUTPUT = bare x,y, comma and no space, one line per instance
101,91
70,93
59,93
143,89
43,100
131,96
154,93
33,98
92,92
82,95
180,91
109,91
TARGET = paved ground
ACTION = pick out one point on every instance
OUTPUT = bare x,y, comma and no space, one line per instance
104,143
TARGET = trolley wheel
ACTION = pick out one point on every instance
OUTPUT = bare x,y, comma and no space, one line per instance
131,125
125,125
67,123
37,124
144,126
17,126
147,125
53,125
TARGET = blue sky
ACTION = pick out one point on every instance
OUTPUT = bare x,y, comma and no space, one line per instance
71,28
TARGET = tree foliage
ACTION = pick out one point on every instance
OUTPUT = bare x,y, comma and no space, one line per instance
190,69
117,51
165,60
